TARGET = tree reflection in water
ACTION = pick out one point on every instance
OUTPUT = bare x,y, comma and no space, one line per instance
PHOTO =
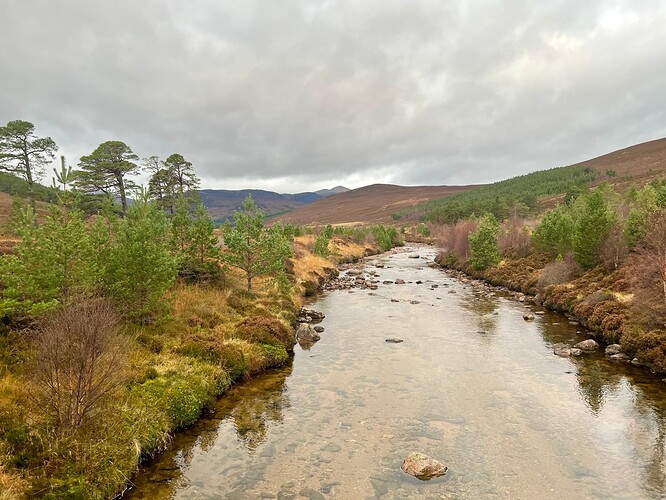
251,406
600,379
483,304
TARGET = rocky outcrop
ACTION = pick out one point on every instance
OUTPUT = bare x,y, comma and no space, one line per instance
423,467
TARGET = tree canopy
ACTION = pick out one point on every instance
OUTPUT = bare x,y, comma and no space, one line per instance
24,154
106,169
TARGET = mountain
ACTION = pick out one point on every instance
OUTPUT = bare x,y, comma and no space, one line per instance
329,192
634,165
221,203
369,204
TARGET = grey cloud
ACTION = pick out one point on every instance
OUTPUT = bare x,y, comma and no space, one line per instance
303,95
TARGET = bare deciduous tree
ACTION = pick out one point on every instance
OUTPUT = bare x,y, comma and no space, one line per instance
79,359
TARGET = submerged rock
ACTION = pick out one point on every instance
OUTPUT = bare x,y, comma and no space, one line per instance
588,345
565,350
394,340
620,356
423,467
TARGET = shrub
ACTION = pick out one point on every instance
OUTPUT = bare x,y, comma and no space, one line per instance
647,267
322,241
555,273
79,359
265,330
514,238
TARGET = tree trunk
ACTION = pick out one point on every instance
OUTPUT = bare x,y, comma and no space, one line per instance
249,283
123,198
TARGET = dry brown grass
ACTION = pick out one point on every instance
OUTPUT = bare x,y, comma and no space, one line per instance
345,250
12,486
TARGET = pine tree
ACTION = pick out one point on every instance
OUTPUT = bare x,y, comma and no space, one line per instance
253,248
54,263
23,154
555,231
138,266
485,252
593,221
106,169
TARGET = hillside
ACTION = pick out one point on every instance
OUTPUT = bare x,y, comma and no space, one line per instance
221,203
370,204
635,165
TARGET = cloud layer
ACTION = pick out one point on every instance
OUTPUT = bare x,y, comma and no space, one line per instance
295,96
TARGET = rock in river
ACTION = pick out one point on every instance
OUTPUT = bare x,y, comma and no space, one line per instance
423,467
306,335
394,340
588,345
613,349
528,316
319,329
565,351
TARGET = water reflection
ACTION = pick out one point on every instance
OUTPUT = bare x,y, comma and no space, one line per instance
483,304
256,406
250,407
510,419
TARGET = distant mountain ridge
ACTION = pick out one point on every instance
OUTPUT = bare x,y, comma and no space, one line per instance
221,203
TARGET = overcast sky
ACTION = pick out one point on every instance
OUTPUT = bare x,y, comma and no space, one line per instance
297,96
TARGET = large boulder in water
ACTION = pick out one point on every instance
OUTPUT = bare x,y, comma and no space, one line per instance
306,336
423,467
613,349
588,345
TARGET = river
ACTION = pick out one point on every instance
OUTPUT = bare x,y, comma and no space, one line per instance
473,385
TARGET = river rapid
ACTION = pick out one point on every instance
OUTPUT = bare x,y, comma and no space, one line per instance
473,385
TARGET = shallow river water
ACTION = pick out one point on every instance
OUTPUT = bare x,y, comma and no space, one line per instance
472,385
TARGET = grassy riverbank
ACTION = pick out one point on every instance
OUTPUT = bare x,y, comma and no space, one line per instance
171,369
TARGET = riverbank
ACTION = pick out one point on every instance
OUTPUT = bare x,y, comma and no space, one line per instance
599,299
172,371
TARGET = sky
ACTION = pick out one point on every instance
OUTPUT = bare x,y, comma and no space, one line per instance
295,96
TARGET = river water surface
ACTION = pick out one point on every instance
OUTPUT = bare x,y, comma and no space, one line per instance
472,385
